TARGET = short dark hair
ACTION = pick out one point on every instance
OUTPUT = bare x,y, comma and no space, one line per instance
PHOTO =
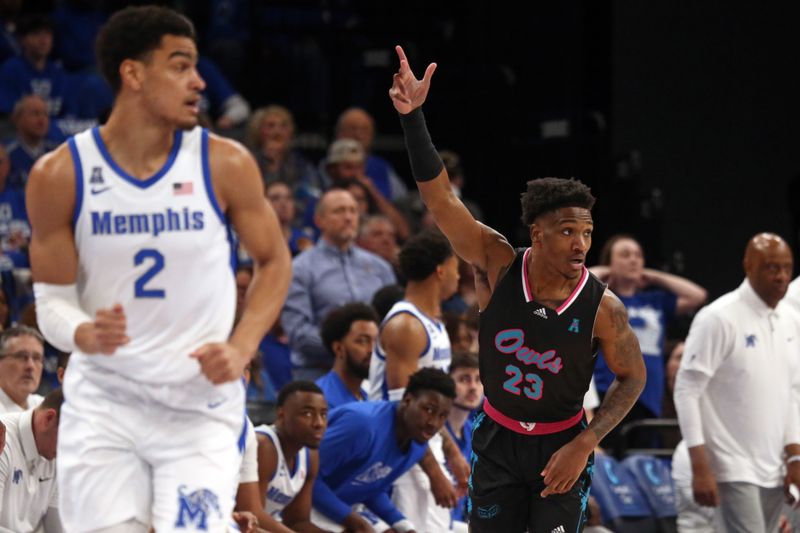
338,322
464,360
53,400
431,379
31,23
422,253
385,297
548,194
18,331
133,33
296,386
608,247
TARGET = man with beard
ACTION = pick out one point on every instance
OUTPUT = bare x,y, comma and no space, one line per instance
349,334
288,459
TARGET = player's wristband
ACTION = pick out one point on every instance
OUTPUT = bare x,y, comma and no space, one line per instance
793,459
426,163
403,526
59,313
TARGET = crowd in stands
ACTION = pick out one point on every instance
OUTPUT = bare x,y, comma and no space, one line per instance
373,287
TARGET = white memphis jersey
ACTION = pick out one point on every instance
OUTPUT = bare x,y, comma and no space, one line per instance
436,353
285,484
161,248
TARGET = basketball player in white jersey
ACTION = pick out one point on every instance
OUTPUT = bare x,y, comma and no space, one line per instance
412,336
288,458
133,274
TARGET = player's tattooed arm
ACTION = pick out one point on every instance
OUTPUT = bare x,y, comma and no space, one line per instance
624,357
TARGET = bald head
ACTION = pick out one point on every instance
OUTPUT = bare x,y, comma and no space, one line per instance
768,264
356,123
336,217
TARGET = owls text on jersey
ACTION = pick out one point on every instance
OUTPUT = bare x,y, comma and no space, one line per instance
160,247
285,483
436,354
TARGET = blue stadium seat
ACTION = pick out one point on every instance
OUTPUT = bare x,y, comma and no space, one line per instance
655,480
623,507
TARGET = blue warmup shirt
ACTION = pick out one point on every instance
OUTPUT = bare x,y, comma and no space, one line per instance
359,460
648,314
335,391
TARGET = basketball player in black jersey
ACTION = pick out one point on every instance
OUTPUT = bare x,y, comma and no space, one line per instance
542,320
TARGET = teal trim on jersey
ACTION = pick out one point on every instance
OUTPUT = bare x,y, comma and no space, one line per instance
76,161
207,177
142,184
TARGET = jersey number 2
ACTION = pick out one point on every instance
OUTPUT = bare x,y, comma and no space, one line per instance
532,390
158,265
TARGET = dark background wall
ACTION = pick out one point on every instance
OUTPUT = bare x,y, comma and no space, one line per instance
707,94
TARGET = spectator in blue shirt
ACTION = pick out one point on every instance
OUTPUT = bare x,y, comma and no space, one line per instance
349,334
33,72
15,232
31,142
368,445
652,298
332,273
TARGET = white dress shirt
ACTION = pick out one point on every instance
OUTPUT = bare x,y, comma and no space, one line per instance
735,387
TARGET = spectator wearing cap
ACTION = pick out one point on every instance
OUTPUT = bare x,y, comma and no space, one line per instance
33,72
331,274
346,166
355,123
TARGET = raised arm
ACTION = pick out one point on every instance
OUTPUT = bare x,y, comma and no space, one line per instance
690,295
474,242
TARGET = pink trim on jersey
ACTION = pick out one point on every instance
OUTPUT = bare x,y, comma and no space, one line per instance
530,428
526,288
572,297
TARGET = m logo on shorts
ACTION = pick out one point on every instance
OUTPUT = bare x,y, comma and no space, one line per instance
195,507
488,511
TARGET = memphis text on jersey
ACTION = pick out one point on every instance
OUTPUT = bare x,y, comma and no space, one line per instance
169,220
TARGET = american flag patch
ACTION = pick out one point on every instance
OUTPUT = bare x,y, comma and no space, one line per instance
183,188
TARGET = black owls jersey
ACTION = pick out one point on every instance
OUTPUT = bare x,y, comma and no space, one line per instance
536,362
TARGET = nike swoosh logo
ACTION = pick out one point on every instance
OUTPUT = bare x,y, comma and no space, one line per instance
213,405
100,191
43,479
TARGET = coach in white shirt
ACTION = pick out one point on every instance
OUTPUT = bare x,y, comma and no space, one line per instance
28,490
734,394
21,364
